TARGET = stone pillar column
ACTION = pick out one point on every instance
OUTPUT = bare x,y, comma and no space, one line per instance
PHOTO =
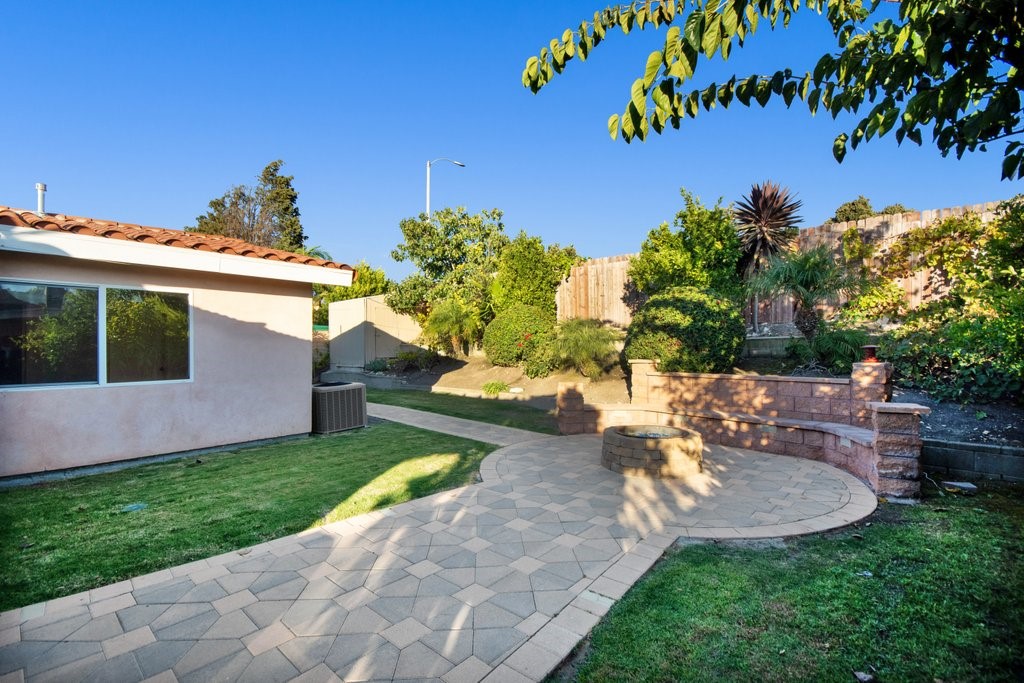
868,382
639,390
897,448
569,408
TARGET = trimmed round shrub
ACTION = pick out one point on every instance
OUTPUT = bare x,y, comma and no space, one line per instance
513,334
686,330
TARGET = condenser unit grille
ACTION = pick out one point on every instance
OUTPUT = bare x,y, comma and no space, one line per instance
338,406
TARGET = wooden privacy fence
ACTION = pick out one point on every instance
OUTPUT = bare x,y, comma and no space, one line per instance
595,289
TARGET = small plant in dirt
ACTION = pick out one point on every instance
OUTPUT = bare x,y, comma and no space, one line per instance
687,330
377,365
494,388
584,345
516,334
834,349
419,359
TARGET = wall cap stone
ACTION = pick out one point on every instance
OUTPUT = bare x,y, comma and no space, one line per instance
904,408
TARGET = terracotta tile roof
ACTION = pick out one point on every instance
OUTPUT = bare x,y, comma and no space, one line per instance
23,218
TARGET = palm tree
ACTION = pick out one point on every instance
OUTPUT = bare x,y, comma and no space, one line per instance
811,277
453,323
766,222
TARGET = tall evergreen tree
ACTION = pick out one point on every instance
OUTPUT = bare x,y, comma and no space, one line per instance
266,214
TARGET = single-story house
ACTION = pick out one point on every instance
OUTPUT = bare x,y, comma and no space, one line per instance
122,341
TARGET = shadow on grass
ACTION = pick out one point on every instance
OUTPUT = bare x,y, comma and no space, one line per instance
73,535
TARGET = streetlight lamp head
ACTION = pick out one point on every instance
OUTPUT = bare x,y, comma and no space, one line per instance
429,163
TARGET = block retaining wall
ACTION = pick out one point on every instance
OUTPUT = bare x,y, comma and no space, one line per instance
988,461
847,423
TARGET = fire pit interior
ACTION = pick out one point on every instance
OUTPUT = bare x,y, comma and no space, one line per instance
652,451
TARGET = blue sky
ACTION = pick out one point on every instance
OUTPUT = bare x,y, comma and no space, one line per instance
143,112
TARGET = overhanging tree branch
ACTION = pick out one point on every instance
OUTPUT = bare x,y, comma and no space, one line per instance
953,59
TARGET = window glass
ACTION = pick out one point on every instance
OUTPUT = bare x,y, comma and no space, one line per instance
147,336
48,334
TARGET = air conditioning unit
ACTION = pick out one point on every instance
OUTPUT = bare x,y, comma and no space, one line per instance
338,406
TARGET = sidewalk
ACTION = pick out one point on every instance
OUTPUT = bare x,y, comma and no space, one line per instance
497,581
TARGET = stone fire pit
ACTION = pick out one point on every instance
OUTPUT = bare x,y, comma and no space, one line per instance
653,451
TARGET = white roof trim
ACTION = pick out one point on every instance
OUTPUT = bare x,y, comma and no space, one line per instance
105,249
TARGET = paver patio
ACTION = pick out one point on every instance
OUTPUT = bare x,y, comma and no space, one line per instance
496,581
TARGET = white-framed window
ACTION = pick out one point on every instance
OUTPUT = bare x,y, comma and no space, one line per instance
56,334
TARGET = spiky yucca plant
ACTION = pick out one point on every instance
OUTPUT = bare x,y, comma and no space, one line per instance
766,222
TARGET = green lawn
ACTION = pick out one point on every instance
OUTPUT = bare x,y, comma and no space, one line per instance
492,411
944,601
69,536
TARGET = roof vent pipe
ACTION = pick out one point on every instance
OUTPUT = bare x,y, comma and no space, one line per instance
41,199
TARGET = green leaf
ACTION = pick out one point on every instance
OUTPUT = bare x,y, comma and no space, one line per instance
693,104
672,46
752,17
839,147
730,20
1013,165
613,126
745,90
712,37
789,92
805,82
888,120
812,100
707,96
654,62
763,91
726,91
693,29
627,125
638,96
663,96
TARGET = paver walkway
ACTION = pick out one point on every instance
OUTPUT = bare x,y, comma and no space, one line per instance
497,581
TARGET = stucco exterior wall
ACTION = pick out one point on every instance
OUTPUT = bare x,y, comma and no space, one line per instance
364,329
250,375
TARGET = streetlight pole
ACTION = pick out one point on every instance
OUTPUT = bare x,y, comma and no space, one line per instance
457,163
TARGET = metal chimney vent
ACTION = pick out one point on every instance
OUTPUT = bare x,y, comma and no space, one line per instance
41,199
338,406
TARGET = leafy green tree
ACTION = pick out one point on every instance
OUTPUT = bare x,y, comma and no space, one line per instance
854,210
61,347
266,214
812,278
951,65
530,274
456,256
369,281
687,330
702,252
147,336
895,208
